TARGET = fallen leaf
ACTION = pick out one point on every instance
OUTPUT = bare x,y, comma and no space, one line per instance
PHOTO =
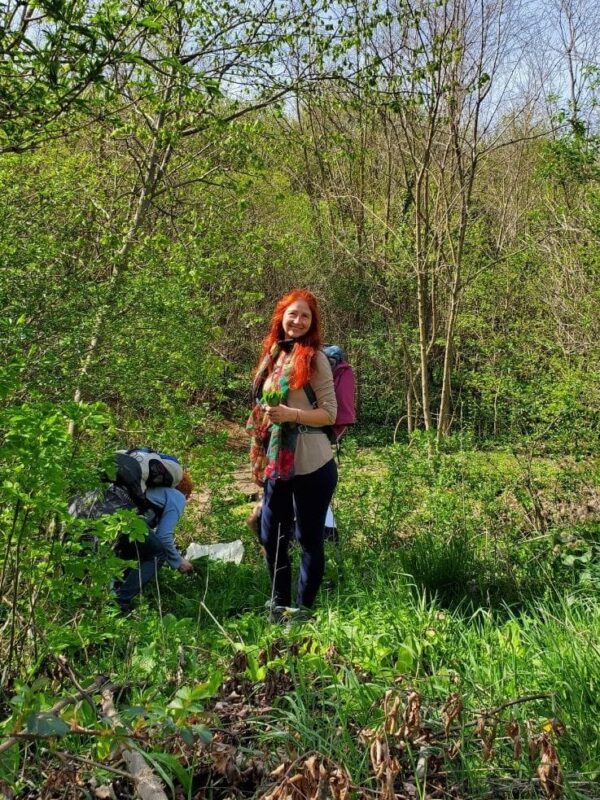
514,732
549,771
451,710
412,716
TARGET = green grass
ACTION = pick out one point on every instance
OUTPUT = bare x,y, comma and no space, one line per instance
441,585
366,639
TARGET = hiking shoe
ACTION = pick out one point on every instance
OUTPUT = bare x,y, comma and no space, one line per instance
289,615
125,609
274,610
281,614
271,605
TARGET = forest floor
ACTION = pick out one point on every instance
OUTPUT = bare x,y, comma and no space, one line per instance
453,652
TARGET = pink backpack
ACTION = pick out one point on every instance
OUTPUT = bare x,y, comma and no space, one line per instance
345,389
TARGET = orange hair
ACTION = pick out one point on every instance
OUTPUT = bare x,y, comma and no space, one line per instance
306,346
185,485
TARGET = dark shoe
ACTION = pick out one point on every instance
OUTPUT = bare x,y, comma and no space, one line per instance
281,614
289,615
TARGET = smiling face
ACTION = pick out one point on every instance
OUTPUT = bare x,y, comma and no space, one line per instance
297,319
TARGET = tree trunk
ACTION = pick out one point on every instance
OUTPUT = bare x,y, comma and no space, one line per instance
156,165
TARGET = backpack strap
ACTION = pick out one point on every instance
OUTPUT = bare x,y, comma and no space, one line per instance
310,394
328,429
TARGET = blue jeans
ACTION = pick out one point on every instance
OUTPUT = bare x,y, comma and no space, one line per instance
150,556
306,497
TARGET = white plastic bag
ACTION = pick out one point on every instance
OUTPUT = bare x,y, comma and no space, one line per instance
226,551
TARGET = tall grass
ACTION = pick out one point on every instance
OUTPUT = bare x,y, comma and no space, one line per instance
360,645
441,584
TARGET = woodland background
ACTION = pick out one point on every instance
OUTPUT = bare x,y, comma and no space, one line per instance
430,169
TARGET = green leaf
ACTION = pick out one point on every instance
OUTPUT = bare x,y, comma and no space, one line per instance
203,733
187,735
405,659
212,87
9,763
167,765
104,745
132,712
46,724
152,23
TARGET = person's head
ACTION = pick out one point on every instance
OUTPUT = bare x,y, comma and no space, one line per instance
185,485
296,316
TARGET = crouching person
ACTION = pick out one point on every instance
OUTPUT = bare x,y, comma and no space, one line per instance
168,505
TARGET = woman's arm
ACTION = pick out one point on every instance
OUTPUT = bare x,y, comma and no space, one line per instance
173,503
314,417
326,411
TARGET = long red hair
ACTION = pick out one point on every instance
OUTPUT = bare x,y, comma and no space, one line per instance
306,346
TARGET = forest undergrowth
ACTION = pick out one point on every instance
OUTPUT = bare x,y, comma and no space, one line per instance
431,171
453,652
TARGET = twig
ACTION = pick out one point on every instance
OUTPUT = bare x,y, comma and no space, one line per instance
525,699
218,624
492,712
64,664
180,664
101,680
25,736
63,755
147,785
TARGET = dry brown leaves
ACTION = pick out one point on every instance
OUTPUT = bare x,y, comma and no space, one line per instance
540,745
238,703
239,663
223,759
385,767
333,656
549,771
412,716
398,722
391,710
273,650
239,699
239,770
6,793
64,782
513,731
408,755
402,751
405,724
275,685
485,729
451,710
314,778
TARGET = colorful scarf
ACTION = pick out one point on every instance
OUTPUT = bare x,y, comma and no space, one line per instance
273,445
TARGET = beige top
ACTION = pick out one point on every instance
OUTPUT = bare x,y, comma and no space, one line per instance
313,450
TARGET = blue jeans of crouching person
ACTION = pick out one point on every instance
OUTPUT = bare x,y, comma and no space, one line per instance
150,555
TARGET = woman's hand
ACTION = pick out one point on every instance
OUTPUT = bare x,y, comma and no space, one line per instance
281,414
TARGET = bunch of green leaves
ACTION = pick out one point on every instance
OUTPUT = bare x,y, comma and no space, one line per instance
52,567
272,397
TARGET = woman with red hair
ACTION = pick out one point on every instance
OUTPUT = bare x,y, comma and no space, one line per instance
291,453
